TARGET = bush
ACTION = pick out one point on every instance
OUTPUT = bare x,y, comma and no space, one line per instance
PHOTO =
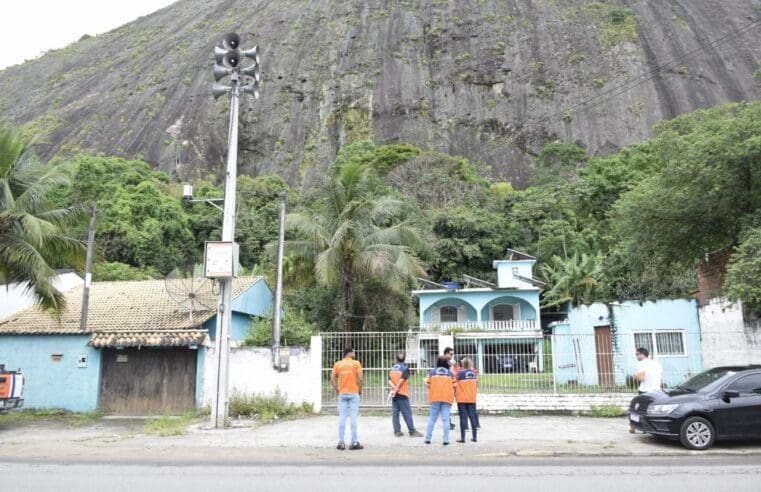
295,329
266,408
607,411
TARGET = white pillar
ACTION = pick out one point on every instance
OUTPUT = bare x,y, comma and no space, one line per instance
444,342
315,373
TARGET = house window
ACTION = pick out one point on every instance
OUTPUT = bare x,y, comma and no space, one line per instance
448,314
661,343
515,270
503,312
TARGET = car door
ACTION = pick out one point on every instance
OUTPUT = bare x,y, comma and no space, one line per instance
741,416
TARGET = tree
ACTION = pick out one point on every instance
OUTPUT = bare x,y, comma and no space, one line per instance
350,238
33,232
709,184
574,279
743,282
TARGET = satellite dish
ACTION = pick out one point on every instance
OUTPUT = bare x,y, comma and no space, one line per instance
190,289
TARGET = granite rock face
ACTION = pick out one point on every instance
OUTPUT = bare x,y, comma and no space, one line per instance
491,80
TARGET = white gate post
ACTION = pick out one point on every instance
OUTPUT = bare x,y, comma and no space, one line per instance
315,374
444,342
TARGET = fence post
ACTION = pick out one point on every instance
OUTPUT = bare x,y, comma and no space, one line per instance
552,361
315,361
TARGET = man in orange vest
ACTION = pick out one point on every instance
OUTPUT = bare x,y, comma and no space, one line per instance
399,383
440,384
346,379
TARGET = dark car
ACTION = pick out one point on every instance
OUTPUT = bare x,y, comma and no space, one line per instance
720,403
509,363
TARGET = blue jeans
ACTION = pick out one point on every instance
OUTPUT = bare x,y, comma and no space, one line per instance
348,405
402,405
443,408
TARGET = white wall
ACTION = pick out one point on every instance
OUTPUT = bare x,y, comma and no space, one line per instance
728,339
251,373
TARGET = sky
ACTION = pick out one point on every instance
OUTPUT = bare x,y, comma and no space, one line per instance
28,29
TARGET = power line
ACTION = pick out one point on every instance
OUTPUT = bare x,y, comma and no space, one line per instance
635,82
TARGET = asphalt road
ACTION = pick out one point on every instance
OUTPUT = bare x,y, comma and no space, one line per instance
688,473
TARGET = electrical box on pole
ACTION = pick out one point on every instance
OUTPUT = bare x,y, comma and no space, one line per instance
220,259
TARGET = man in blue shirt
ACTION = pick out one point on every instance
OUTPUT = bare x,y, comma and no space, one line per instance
399,385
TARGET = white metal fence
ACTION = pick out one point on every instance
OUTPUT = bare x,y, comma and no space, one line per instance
514,364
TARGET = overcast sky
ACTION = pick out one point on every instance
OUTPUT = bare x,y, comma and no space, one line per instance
27,29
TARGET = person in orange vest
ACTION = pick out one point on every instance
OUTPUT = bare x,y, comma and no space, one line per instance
399,384
346,379
467,390
440,383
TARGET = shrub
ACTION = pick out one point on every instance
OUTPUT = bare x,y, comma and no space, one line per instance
266,408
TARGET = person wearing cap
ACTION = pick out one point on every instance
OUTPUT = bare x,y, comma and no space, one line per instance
467,389
399,385
440,383
346,379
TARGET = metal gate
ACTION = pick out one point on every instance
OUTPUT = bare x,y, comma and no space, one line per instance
512,364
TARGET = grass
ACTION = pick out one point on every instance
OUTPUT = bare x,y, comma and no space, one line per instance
32,415
171,426
266,409
607,411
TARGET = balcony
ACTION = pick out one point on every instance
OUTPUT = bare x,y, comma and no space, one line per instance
518,325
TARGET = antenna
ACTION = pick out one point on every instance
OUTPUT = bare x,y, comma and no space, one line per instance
190,289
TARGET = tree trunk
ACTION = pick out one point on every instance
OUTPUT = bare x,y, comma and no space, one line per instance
347,302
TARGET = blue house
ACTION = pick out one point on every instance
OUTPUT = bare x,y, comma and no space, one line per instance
595,345
143,350
487,318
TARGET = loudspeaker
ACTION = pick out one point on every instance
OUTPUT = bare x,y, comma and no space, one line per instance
253,53
219,90
252,89
231,41
231,59
252,71
220,72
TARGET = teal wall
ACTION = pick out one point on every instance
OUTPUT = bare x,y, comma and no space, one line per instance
256,301
49,384
200,371
575,347
479,301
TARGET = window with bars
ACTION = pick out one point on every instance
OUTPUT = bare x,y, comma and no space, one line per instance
503,312
448,314
662,343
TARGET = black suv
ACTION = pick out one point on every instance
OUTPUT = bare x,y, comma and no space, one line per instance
720,403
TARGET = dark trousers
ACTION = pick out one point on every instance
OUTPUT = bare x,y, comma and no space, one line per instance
467,412
402,405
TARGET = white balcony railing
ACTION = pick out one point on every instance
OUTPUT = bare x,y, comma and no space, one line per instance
511,325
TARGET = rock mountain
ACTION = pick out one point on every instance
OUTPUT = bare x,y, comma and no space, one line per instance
491,80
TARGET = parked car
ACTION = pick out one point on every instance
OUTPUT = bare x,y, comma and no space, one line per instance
11,389
723,403
509,363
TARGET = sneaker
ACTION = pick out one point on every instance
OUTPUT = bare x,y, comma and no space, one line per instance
341,446
474,440
461,440
451,426
398,434
446,444
416,434
428,442
355,446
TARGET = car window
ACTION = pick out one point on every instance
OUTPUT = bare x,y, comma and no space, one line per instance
747,384
709,380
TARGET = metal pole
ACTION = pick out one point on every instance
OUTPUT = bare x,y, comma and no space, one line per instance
276,317
224,312
88,271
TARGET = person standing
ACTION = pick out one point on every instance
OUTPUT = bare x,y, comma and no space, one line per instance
399,384
466,392
449,354
346,379
649,375
440,383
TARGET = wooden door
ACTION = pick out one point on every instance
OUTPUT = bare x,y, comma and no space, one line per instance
148,381
604,347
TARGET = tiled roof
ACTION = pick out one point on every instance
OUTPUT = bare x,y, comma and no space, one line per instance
166,338
123,308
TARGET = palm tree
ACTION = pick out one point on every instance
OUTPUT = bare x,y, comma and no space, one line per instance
353,238
33,236
573,279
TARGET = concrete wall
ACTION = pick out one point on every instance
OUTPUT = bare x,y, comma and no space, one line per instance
251,373
505,277
728,338
50,383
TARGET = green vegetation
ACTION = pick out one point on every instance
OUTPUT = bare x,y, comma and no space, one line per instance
267,409
166,426
615,25
295,329
34,237
30,415
607,411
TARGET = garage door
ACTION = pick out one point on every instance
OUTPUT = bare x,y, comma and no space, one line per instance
148,381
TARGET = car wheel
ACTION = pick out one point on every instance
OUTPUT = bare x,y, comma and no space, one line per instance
697,433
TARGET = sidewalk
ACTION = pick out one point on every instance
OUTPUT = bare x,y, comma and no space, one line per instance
312,441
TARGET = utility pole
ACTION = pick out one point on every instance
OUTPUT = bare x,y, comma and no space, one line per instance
228,59
276,315
88,271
